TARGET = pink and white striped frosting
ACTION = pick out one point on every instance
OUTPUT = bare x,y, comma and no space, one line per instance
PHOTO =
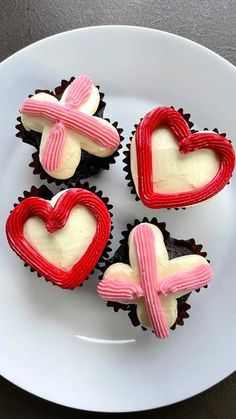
52,151
78,92
93,128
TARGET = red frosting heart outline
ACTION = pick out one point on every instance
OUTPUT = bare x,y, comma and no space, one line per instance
55,218
188,143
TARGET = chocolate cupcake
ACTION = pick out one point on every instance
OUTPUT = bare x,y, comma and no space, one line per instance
151,276
62,237
170,166
67,128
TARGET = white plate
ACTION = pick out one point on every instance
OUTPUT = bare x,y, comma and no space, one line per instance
67,346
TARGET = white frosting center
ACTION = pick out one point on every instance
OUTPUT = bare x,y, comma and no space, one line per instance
66,246
173,171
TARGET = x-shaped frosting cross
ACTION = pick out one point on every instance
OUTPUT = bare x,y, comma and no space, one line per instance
152,281
67,126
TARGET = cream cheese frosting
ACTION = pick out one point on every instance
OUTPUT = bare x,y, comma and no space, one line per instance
67,245
173,171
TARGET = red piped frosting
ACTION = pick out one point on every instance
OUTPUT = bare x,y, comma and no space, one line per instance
188,143
55,218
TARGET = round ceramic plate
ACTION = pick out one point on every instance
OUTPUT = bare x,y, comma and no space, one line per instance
67,346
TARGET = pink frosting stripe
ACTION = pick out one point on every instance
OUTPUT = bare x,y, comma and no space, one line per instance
145,246
197,278
114,289
78,92
110,289
52,152
103,135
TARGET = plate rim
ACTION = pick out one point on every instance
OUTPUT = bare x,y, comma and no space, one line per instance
126,27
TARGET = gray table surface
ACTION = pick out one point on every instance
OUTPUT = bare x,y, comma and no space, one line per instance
211,23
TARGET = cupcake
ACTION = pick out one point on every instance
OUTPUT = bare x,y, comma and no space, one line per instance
62,237
67,128
152,275
171,167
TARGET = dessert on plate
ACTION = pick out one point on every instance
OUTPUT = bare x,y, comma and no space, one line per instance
152,276
67,128
62,237
170,166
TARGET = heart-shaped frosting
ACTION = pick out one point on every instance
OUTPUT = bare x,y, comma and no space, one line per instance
67,126
61,239
152,281
171,167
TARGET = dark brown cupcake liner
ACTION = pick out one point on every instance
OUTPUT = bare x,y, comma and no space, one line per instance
44,192
89,164
126,152
175,248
